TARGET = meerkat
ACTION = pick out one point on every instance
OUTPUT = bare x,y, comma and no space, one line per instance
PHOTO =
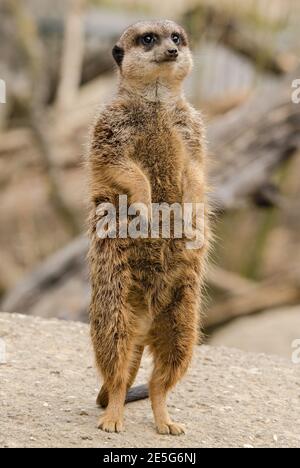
149,144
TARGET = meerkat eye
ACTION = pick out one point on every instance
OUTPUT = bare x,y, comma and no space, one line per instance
148,39
176,38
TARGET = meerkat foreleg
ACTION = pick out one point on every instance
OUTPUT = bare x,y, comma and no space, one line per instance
128,179
193,195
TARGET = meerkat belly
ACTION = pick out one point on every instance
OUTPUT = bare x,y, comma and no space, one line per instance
161,155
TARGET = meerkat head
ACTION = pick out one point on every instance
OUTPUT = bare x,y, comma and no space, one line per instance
153,50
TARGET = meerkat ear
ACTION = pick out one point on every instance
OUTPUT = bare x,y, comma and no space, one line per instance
118,54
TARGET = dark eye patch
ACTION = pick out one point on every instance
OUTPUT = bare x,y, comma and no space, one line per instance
147,39
176,38
182,38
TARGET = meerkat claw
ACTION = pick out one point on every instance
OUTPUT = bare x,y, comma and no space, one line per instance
110,425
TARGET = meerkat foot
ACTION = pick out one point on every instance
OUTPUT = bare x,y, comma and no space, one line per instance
170,428
108,424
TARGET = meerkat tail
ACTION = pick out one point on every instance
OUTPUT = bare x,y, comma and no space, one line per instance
140,392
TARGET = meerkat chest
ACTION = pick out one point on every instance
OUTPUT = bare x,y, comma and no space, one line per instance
162,151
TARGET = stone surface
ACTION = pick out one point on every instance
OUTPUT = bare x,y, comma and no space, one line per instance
270,332
229,398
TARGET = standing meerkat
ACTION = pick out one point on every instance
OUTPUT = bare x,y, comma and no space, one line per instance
148,144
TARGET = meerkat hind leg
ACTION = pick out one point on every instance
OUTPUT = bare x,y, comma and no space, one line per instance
173,338
164,424
113,360
102,399
112,419
135,364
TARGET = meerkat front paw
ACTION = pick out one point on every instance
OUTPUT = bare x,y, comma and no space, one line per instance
108,424
143,203
170,428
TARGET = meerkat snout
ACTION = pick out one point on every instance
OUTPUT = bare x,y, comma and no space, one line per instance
172,54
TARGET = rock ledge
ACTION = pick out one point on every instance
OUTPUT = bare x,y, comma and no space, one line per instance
228,399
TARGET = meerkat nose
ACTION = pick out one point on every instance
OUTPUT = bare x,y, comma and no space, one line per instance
172,53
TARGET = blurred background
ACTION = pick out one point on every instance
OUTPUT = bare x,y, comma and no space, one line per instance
55,58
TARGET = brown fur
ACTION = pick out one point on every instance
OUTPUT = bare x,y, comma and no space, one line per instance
147,143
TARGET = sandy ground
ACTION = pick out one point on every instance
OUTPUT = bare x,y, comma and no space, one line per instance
229,398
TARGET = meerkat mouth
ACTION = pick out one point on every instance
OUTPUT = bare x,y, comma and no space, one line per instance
166,60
